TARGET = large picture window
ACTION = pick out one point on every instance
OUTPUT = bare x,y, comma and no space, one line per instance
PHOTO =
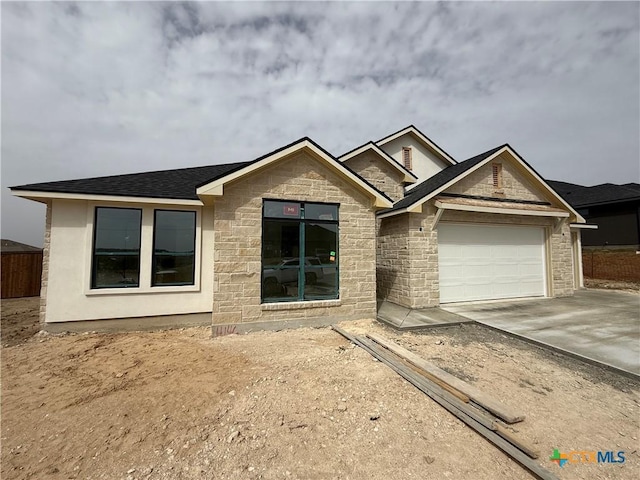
174,248
116,248
299,251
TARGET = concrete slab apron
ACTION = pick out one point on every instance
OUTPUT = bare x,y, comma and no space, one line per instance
403,318
598,324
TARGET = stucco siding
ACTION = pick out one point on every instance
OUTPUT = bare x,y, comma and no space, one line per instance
425,163
238,241
68,293
379,173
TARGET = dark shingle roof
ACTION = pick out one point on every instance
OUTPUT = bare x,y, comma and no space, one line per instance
176,184
439,179
580,196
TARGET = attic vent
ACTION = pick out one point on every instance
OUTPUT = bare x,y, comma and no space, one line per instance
406,157
497,175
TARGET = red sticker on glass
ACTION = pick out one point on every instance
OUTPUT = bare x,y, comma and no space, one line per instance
289,209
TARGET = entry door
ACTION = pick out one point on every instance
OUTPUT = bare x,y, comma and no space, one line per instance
486,262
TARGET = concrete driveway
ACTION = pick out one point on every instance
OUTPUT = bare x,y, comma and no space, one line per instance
600,325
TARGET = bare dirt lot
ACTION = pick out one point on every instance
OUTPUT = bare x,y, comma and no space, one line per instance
631,287
293,404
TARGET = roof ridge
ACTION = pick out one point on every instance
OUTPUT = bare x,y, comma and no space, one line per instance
412,126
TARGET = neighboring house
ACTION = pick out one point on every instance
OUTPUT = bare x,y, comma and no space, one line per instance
299,237
11,246
615,209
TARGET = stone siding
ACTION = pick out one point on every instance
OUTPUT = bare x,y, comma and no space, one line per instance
46,252
407,268
514,184
378,173
393,270
238,240
562,270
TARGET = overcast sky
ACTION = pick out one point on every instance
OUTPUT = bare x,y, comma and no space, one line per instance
91,89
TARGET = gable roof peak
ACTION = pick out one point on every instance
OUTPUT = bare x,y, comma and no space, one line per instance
422,138
409,176
450,175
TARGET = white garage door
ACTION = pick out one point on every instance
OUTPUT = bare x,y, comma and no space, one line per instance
490,262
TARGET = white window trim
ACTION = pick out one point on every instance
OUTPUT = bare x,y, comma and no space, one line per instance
146,251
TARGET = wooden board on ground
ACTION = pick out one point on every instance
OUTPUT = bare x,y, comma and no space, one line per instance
453,405
493,405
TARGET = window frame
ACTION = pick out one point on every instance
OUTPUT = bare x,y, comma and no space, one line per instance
153,249
93,272
302,223
146,248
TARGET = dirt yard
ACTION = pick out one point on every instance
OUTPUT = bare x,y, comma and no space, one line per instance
294,404
631,287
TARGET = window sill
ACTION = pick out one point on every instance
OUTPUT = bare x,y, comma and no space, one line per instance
300,305
142,290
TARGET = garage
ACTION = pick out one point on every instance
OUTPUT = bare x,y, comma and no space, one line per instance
487,262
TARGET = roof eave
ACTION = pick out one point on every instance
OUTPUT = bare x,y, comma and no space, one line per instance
43,197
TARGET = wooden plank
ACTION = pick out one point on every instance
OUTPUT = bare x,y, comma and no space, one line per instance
445,386
422,383
492,404
430,389
491,436
514,440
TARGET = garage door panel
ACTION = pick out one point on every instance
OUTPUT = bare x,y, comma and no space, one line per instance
478,262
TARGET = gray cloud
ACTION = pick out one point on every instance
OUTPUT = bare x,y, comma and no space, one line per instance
105,88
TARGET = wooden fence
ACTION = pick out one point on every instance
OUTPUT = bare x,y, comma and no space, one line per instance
21,274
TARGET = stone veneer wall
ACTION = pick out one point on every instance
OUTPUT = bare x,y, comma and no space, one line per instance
379,173
514,184
44,282
408,260
393,268
238,240
562,269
